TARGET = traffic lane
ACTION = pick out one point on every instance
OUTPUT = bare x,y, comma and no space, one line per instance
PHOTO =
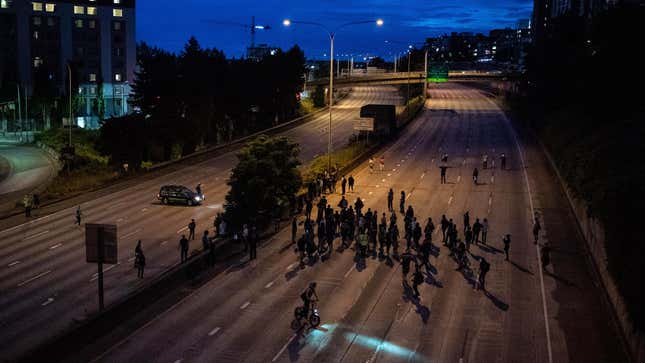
29,167
44,280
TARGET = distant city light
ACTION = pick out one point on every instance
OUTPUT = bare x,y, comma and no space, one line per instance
286,22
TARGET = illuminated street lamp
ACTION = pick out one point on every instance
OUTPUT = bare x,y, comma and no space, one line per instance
331,33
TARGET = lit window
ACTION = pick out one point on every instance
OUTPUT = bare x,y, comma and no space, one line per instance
117,12
37,20
117,25
117,1
51,21
4,4
93,89
79,9
37,6
50,8
78,23
38,62
36,34
91,10
91,24
117,77
92,77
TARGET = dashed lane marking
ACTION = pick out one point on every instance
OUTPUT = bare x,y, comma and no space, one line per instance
48,301
283,348
349,271
144,210
55,246
181,230
95,276
119,220
245,305
370,193
464,162
388,174
450,200
130,234
408,196
269,284
492,179
422,175
163,243
34,278
13,263
178,361
383,180
35,235
292,265
214,331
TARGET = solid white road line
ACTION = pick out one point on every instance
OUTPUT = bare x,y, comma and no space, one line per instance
269,284
48,301
144,209
35,235
537,246
214,331
13,263
55,246
283,348
34,278
349,271
245,305
408,196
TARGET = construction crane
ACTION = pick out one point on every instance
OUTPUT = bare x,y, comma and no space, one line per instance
253,27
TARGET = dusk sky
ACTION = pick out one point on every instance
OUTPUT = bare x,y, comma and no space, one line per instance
168,24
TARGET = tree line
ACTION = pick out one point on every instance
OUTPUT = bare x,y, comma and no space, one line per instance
199,97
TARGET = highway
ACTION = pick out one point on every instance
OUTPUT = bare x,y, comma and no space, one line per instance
45,283
525,314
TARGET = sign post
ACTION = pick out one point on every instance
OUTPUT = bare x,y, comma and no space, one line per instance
100,248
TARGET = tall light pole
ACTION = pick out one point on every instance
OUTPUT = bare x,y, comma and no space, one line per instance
332,34
69,72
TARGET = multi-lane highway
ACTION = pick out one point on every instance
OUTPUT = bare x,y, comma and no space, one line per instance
525,315
45,282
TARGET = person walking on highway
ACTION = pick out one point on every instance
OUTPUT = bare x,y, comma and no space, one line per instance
350,183
253,247
78,215
466,220
484,267
137,251
484,230
545,254
27,202
402,203
211,253
371,165
507,244
294,229
475,175
503,161
183,247
381,163
358,205
343,184
140,263
536,230
477,229
191,229
444,227
428,230
416,234
342,204
468,236
390,199
309,205
205,241
443,173
35,201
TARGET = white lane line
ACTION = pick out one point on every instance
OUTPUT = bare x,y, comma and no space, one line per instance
245,305
537,246
163,243
35,235
422,175
24,224
13,263
432,161
402,160
130,259
383,180
34,278
178,361
458,178
144,210
492,179
394,169
269,284
48,301
464,163
450,200
131,233
349,271
95,276
490,200
181,230
119,220
388,174
377,185
55,246
398,165
370,193
283,348
214,331
292,265
408,196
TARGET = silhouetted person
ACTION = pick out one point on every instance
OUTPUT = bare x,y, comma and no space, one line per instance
350,183
78,215
443,173
536,230
503,160
475,175
417,279
183,248
402,203
343,184
545,253
507,244
484,266
27,201
191,229
137,251
140,262
390,199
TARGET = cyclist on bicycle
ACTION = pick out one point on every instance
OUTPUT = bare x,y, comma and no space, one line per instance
308,296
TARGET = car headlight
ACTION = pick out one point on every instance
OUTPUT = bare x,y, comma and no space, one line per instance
197,198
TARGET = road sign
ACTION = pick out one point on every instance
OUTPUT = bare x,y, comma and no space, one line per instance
364,124
97,234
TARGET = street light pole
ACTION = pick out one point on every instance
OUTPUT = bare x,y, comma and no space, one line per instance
407,95
19,102
69,72
425,75
331,34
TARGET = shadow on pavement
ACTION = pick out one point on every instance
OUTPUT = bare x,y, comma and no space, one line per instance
497,302
521,268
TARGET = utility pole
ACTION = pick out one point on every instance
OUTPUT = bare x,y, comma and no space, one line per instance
19,105
26,115
425,75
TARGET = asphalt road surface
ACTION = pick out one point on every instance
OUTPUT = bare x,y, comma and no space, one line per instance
45,283
525,314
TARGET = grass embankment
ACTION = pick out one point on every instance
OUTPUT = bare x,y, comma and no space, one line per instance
89,169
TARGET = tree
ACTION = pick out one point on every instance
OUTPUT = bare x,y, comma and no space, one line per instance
266,177
124,139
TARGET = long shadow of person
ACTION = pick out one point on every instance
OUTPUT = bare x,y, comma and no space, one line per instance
497,302
561,279
488,248
422,310
521,268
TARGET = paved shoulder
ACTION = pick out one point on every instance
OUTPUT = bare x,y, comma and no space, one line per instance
22,169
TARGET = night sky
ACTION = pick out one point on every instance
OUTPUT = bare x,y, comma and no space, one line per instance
169,23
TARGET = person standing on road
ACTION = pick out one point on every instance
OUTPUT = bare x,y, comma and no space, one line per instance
205,241
27,202
78,215
485,161
35,201
444,227
358,205
507,244
545,253
191,229
350,183
402,203
466,220
416,234
371,165
343,184
390,199
503,161
484,230
253,247
428,230
484,266
475,175
444,158
381,163
443,173
536,230
477,228
183,247
211,253
417,279
294,229
468,236
137,251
